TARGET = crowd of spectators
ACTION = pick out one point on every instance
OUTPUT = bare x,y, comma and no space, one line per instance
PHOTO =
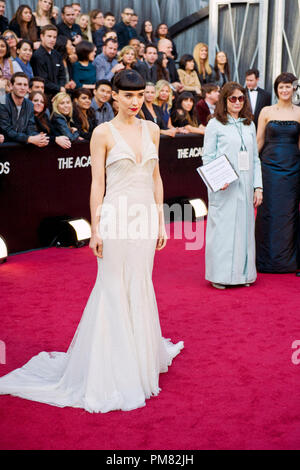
57,68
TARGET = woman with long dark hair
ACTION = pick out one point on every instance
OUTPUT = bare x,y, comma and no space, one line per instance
83,115
67,50
6,63
188,75
162,67
184,114
147,33
221,69
24,25
230,242
277,223
118,351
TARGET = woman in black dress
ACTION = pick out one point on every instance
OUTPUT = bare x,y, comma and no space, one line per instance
84,117
277,223
152,112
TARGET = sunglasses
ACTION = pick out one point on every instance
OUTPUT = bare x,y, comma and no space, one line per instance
234,99
9,37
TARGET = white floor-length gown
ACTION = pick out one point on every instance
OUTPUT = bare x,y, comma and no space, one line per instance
118,352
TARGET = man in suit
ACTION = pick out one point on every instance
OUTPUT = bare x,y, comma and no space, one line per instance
67,27
258,97
3,19
125,32
206,106
47,63
148,69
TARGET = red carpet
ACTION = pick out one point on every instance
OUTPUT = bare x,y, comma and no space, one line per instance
234,386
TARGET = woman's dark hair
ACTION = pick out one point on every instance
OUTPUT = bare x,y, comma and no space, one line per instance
7,54
162,72
83,117
285,77
156,31
143,32
128,80
221,113
181,113
83,49
226,67
61,46
28,31
186,58
24,41
42,117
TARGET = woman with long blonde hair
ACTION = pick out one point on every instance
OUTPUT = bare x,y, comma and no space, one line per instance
205,70
62,115
44,13
84,22
164,99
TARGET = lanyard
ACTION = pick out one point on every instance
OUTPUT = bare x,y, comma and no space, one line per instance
243,146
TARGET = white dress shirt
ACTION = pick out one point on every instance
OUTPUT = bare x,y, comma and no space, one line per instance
253,99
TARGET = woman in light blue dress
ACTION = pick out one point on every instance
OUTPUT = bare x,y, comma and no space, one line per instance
230,242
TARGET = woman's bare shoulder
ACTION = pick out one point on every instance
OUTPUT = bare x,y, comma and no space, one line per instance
101,130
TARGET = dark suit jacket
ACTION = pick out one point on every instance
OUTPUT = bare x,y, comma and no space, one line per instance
149,74
70,33
51,68
263,99
3,24
202,112
173,71
125,33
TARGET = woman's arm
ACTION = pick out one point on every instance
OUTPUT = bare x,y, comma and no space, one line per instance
261,127
158,192
98,154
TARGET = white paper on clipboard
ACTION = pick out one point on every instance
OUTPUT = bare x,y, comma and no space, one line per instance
217,173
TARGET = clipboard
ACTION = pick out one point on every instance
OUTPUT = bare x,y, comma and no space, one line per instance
217,173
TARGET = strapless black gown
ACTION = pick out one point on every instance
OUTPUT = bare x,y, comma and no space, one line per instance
277,222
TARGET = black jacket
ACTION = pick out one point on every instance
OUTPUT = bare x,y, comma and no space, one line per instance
14,128
92,123
70,33
60,126
125,33
51,68
263,99
3,24
159,117
172,71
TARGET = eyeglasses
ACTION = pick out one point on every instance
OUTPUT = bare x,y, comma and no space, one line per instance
9,37
234,99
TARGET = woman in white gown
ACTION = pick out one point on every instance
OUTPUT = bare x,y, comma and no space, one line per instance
118,352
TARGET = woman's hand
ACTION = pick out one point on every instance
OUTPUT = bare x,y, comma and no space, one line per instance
96,245
170,132
258,197
63,142
225,187
162,238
